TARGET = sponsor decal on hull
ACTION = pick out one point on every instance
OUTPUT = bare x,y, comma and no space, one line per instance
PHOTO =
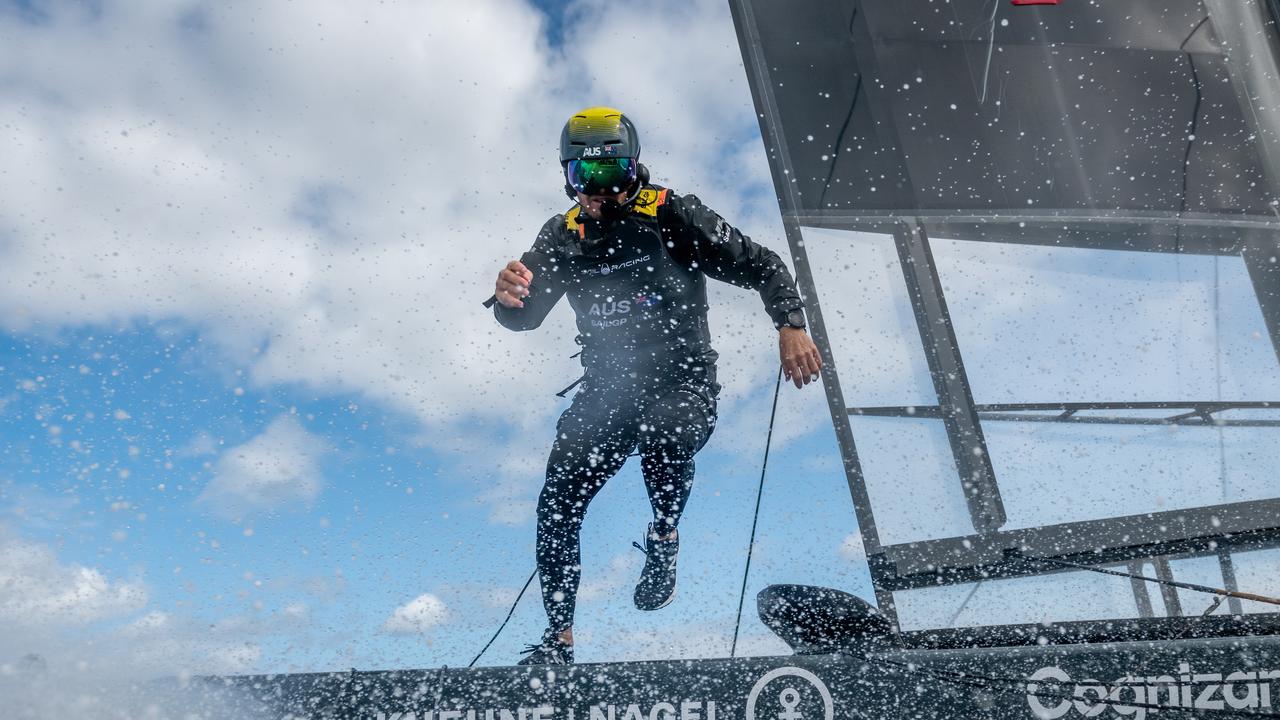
677,710
785,693
1053,694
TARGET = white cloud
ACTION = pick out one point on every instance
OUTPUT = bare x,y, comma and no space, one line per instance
338,218
150,623
163,643
278,468
417,616
202,444
520,468
852,549
48,606
56,660
618,578
35,507
297,612
328,190
108,674
36,589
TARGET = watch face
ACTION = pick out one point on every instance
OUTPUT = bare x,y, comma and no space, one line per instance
795,319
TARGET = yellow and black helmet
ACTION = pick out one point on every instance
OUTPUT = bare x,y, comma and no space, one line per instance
599,133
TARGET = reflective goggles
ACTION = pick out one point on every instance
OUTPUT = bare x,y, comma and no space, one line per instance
601,176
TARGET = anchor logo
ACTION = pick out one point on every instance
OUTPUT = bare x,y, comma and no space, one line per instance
789,699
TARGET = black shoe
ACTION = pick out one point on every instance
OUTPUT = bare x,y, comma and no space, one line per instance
551,651
657,585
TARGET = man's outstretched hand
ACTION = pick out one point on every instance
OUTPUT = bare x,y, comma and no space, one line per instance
801,362
513,284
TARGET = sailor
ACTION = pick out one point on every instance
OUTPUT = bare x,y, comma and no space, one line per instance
633,259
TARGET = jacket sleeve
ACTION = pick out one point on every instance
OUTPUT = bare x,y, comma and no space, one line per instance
547,286
724,253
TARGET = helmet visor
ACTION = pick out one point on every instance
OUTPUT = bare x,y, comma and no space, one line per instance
601,176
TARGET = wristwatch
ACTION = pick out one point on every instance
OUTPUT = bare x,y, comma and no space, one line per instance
794,319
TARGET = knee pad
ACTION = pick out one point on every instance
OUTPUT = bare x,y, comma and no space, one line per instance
669,441
678,425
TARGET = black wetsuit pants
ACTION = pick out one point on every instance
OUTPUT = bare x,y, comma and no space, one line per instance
667,418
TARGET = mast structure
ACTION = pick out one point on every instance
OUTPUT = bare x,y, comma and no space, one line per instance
1083,134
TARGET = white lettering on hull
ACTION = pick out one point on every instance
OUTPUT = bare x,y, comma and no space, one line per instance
1131,695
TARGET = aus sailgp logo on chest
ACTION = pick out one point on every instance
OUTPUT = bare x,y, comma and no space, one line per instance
606,314
1053,694
608,268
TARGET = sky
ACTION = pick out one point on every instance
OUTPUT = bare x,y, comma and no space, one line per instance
254,418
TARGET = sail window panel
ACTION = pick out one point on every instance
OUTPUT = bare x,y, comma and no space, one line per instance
1041,323
868,317
911,479
1249,458
1258,572
1206,571
1258,415
1051,473
1059,597
1083,595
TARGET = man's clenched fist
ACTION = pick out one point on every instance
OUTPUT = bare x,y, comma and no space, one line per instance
513,284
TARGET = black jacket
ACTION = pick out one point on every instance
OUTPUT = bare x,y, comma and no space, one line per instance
638,286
